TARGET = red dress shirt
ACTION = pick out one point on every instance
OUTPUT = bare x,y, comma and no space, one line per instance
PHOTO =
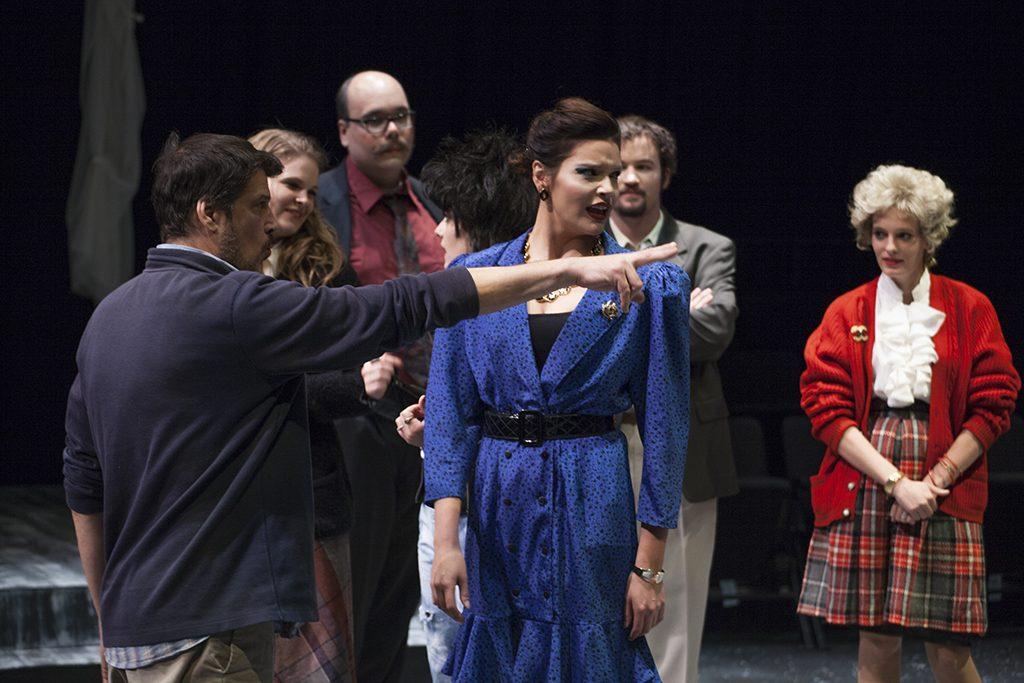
372,252
974,387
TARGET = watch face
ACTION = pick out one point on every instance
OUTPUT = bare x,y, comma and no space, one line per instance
652,576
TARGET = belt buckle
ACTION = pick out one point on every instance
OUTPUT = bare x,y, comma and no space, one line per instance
538,416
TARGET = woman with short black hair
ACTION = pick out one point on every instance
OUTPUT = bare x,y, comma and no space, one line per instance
485,199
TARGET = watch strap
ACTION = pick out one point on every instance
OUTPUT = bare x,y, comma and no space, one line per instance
649,575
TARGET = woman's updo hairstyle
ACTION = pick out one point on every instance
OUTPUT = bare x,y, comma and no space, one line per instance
555,133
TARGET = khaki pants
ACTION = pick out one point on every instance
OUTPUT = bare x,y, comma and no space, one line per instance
245,655
675,642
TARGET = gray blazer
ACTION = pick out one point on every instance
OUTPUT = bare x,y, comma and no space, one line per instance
710,261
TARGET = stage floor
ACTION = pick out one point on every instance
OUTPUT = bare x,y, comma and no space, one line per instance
47,632
724,659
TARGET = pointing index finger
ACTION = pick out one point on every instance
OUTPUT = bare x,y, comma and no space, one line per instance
660,253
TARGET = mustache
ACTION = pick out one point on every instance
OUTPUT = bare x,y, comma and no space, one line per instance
392,146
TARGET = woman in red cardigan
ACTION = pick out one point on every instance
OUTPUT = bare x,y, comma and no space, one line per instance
908,382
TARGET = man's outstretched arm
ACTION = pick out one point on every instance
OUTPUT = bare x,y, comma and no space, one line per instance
501,287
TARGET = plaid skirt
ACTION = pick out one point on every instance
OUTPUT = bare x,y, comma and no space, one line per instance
323,651
868,571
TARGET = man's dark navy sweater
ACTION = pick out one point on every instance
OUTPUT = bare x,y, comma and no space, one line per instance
187,428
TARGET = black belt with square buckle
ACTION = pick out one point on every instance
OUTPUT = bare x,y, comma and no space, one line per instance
532,427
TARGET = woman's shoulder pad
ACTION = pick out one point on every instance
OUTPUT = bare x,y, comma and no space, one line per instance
664,277
491,256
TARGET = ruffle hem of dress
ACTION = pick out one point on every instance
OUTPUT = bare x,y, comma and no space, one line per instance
552,652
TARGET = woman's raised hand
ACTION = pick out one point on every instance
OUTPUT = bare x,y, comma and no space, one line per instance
410,423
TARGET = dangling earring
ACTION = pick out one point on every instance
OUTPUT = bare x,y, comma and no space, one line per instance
544,194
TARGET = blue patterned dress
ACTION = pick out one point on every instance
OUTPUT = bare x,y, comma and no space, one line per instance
552,528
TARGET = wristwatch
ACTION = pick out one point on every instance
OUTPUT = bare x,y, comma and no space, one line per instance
649,575
891,482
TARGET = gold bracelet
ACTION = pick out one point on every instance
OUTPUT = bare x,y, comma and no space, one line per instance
949,461
950,469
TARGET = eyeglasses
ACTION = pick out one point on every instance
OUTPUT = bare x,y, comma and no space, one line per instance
377,124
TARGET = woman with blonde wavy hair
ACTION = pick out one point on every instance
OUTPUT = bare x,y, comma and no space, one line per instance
306,250
908,382
305,247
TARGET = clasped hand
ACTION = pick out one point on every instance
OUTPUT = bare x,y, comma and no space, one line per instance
699,298
378,373
915,501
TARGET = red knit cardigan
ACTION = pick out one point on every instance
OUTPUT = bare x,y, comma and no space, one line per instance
974,387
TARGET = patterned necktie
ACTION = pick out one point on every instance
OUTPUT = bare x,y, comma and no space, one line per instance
416,356
407,253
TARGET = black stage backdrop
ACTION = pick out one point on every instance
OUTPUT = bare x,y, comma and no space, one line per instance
780,108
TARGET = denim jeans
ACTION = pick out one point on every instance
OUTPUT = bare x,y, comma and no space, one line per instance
439,629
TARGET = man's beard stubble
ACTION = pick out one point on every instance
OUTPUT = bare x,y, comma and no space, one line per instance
632,210
231,250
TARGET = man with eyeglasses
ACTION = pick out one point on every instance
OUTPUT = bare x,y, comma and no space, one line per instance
385,225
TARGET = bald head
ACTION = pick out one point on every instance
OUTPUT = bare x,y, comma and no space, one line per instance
365,83
375,125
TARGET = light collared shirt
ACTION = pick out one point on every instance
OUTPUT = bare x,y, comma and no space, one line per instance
185,247
650,240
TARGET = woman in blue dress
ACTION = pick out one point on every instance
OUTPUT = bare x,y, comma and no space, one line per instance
555,583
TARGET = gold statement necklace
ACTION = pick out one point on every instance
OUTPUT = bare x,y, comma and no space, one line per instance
596,250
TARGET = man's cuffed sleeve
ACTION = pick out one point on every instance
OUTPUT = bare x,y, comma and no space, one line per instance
83,478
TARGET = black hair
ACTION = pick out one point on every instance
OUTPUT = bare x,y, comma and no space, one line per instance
476,180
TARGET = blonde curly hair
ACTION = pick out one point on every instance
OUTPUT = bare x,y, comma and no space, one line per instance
912,192
311,256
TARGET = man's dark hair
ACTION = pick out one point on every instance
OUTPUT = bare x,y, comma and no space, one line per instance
206,166
341,98
476,180
633,126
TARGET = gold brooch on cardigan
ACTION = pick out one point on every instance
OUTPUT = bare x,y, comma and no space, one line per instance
859,333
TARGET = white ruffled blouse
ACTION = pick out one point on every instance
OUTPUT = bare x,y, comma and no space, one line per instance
904,350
